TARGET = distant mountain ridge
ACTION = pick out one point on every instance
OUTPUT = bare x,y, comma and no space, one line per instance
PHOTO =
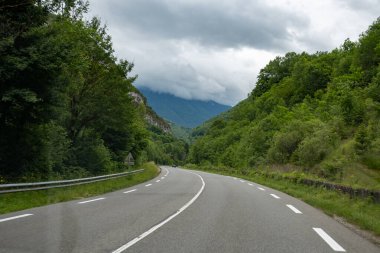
186,113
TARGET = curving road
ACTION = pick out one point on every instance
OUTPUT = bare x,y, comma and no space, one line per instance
180,211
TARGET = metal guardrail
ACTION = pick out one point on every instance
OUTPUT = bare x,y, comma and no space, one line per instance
8,188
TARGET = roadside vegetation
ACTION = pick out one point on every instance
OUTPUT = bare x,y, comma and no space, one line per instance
66,109
361,212
164,148
11,202
312,114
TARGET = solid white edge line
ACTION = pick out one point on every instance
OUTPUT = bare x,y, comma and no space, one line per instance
293,209
147,185
275,196
167,172
331,242
16,217
261,189
92,200
130,191
154,228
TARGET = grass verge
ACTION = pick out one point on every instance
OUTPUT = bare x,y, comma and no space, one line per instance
11,202
361,212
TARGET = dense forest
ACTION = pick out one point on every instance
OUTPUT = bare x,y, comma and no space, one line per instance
316,114
65,104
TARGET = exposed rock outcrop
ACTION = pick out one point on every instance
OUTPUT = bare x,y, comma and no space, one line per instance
151,116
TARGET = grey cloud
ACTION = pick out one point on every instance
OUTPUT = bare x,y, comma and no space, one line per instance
370,6
162,67
183,80
168,40
217,23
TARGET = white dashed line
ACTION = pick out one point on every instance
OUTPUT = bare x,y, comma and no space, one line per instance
158,181
148,185
242,181
331,242
16,217
154,228
261,189
130,191
162,178
294,209
92,200
250,184
275,196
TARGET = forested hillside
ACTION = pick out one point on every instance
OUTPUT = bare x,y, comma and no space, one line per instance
314,114
66,108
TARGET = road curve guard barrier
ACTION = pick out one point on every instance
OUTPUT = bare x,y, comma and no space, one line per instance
8,188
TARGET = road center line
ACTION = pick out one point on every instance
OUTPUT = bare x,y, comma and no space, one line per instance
130,191
148,185
294,209
154,228
261,189
16,217
331,242
92,200
275,196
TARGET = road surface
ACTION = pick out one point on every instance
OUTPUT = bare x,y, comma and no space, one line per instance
180,211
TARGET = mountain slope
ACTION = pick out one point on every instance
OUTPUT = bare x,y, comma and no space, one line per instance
186,113
163,147
310,114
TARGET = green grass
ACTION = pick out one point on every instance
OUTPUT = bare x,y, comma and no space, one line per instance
11,202
362,212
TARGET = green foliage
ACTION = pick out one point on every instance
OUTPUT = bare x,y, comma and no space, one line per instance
361,140
368,52
284,146
65,104
274,72
18,16
304,110
164,148
332,169
90,152
315,147
182,133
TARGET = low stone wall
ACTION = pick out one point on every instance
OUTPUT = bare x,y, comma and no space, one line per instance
353,192
362,193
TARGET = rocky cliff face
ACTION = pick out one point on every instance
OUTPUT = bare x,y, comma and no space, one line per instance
151,116
162,124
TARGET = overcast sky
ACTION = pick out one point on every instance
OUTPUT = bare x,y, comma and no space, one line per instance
214,49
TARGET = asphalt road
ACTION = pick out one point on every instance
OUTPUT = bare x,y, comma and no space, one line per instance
180,211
